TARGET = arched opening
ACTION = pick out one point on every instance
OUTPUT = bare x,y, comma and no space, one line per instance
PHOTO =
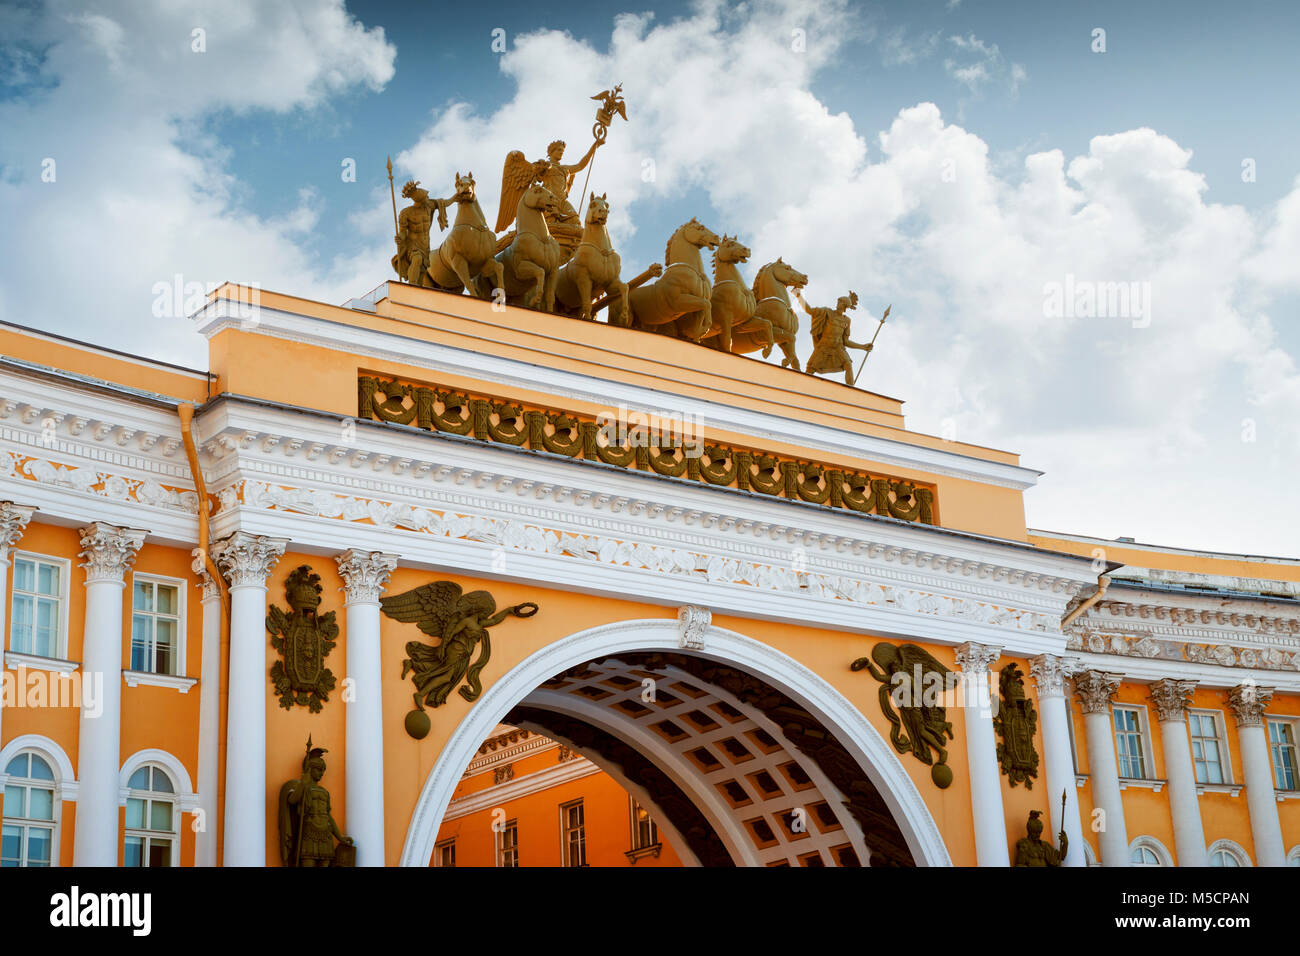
742,755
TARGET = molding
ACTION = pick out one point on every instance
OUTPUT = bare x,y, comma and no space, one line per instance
186,799
1080,779
500,794
694,623
66,783
149,679
1287,795
1151,843
13,521
1234,849
220,314
1231,789
33,662
1142,782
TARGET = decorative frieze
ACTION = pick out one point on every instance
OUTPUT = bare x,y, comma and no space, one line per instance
108,552
365,573
1171,698
1248,702
560,433
246,559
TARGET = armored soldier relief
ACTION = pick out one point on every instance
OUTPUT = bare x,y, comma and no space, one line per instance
460,622
307,828
912,678
1015,723
1033,850
303,639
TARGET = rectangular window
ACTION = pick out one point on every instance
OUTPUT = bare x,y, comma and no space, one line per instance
573,834
38,613
1208,750
644,832
1281,740
444,853
155,626
508,844
1128,743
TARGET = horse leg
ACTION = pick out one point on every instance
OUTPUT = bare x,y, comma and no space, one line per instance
790,359
460,266
531,272
582,279
618,287
548,281
493,272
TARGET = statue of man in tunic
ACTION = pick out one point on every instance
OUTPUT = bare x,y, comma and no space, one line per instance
1033,850
307,828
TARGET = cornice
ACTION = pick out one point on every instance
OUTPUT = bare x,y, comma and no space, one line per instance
221,314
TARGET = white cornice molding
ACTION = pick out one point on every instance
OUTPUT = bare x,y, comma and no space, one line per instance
221,314
500,795
136,678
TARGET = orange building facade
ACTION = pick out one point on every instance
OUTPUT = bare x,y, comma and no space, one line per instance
732,563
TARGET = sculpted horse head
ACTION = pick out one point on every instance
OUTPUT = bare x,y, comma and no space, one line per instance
731,250
784,273
465,188
695,233
597,210
539,199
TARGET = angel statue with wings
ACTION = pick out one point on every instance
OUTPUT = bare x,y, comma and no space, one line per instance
460,622
519,174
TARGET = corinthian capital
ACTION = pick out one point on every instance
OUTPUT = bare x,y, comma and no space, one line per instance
109,551
1095,690
364,574
13,522
1171,698
1050,672
246,559
200,569
976,658
1248,702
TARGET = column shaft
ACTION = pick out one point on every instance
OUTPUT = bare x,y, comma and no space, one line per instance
1248,702
1095,690
1049,674
205,844
1170,698
990,825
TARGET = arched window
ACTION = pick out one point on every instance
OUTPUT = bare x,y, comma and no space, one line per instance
1227,853
152,819
1148,851
1293,858
30,812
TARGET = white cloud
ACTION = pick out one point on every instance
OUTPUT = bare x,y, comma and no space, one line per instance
975,64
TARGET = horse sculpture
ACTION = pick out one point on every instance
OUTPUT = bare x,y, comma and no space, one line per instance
732,302
774,320
531,262
677,303
594,269
464,259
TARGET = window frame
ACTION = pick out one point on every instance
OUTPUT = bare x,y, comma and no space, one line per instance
65,593
655,839
55,823
1294,724
1144,738
182,610
1225,755
440,847
148,835
1162,854
565,831
1232,849
510,826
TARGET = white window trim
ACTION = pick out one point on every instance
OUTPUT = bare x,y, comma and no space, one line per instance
500,843
187,801
65,598
1144,735
174,836
565,831
182,594
1151,843
136,678
437,849
1272,770
1233,849
34,662
65,782
1225,755
1293,855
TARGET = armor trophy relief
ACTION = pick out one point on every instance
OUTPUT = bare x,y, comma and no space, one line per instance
546,255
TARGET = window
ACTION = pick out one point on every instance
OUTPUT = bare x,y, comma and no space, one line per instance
1223,858
151,819
1227,853
1281,739
155,626
573,834
1148,851
28,835
1208,747
508,844
1129,745
1144,856
39,620
644,832
444,853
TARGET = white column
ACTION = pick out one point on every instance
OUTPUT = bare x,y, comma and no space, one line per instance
1170,698
205,843
982,755
13,521
109,553
1095,690
364,573
1049,673
246,560
1248,702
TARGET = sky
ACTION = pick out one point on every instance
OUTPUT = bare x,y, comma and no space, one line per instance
995,172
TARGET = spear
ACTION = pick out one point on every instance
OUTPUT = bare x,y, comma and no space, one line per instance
392,195
873,342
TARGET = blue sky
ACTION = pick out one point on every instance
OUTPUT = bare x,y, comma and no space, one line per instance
955,160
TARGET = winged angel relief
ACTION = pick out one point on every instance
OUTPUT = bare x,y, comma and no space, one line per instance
911,678
460,622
